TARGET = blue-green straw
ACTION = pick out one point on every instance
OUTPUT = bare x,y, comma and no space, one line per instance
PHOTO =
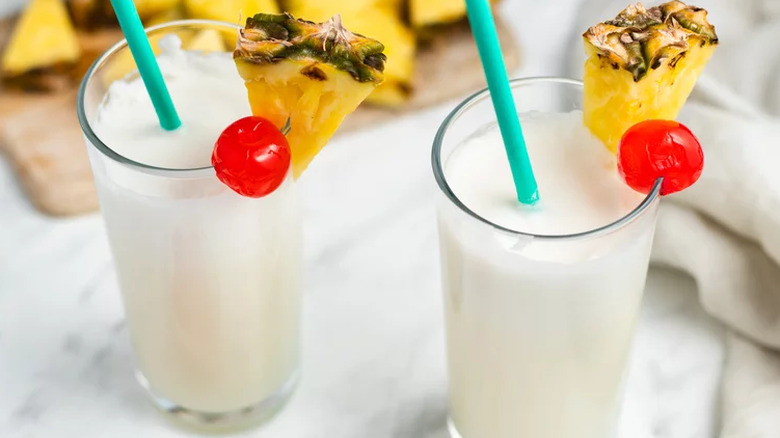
484,29
146,62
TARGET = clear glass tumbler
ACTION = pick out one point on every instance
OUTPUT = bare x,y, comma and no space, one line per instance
210,280
536,346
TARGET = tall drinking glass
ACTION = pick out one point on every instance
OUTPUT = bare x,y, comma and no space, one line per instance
210,279
538,327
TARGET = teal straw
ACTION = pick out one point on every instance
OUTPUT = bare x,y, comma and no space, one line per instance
146,62
484,29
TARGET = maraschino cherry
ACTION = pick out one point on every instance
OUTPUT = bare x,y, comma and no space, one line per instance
251,157
660,149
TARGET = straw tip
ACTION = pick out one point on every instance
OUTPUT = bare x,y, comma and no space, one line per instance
529,198
171,125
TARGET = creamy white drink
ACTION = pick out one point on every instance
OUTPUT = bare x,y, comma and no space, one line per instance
539,329
210,279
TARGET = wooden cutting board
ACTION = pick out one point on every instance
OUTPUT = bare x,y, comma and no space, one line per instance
41,137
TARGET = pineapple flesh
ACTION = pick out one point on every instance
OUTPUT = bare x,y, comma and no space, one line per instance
382,20
42,42
306,74
642,65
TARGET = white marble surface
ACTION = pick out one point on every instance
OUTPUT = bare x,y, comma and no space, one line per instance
374,354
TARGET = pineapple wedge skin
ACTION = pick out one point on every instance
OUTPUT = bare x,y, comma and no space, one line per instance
43,37
613,102
381,19
231,11
643,64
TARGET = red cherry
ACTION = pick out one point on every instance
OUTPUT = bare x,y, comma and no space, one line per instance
659,148
251,157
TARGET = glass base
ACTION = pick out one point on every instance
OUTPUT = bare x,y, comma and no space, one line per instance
452,429
221,422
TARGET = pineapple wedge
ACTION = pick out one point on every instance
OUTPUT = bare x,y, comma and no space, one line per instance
44,39
643,65
231,11
309,74
382,20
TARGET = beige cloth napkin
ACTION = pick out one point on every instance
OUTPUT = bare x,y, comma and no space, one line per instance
725,231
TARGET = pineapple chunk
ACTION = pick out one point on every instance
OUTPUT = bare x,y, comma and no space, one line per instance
427,13
172,14
322,10
208,41
150,8
91,14
123,62
381,19
400,47
43,37
231,11
643,65
423,13
310,74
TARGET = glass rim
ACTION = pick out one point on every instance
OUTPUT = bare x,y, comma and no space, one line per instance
441,180
97,143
